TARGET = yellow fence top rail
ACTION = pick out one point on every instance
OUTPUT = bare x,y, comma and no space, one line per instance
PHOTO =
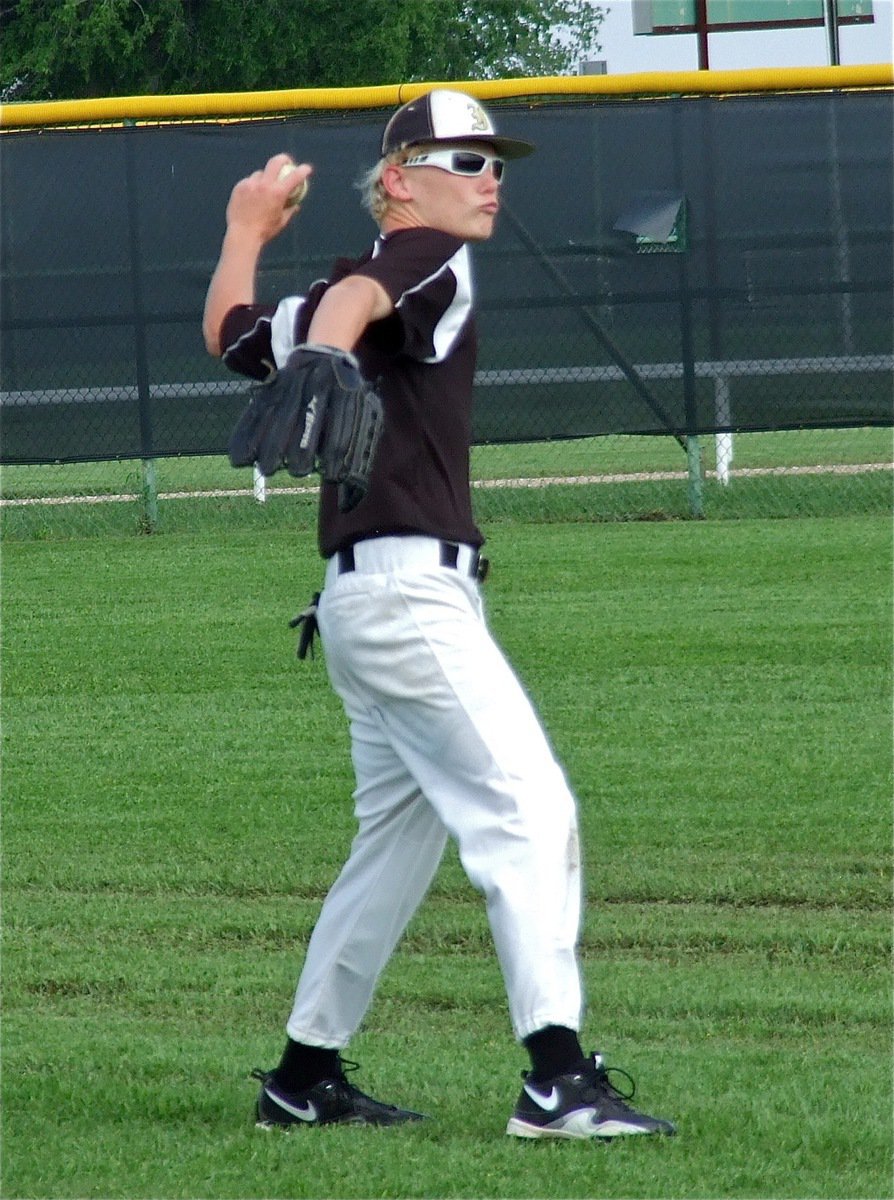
227,105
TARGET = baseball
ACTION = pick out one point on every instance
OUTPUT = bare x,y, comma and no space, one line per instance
297,195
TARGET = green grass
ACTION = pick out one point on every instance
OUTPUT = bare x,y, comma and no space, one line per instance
177,801
765,483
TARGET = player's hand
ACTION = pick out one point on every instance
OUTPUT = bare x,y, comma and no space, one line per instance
258,203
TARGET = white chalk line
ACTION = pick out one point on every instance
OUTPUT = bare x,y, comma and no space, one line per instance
538,482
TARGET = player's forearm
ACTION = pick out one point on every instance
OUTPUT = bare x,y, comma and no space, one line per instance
233,282
345,311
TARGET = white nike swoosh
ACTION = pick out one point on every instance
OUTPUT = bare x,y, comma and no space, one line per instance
548,1103
307,1113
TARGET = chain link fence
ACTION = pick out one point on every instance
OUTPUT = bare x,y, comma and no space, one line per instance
609,478
686,311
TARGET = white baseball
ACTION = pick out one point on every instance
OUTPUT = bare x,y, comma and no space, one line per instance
294,197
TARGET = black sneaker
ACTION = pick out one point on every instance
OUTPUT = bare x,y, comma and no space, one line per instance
580,1104
330,1102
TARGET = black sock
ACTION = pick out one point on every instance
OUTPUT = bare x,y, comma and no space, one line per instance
553,1050
302,1066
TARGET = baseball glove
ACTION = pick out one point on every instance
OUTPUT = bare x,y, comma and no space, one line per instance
317,413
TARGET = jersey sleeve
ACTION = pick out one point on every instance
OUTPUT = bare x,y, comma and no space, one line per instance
258,338
245,338
427,276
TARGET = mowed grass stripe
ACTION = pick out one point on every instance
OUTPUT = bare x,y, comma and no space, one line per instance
177,800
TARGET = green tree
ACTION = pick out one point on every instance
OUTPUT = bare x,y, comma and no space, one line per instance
69,49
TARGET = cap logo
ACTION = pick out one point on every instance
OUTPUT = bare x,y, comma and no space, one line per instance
444,115
478,118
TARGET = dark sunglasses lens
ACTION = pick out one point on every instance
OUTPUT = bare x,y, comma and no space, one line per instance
468,163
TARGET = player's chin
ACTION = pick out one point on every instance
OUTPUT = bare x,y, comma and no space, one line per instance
481,226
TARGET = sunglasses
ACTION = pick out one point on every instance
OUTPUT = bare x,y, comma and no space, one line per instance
459,162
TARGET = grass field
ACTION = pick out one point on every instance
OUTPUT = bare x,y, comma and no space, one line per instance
177,801
815,473
604,455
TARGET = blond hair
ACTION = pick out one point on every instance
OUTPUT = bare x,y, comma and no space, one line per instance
372,190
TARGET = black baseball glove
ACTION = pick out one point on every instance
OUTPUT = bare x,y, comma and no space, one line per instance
317,413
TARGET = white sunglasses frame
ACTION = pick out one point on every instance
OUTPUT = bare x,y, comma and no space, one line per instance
443,159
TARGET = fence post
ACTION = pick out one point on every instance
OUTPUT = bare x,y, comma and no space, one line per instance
696,477
149,490
687,354
149,495
723,442
259,485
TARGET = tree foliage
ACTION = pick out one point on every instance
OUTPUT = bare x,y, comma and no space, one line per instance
69,49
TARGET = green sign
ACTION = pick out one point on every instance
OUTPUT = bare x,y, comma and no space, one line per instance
680,16
676,242
657,221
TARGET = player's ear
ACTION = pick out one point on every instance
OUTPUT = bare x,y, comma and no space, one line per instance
394,182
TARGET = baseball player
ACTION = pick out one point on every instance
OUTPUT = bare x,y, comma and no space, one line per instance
445,742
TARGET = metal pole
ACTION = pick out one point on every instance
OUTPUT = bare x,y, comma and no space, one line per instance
690,385
150,496
687,353
701,28
687,339
259,485
628,370
147,452
830,14
723,442
696,478
842,243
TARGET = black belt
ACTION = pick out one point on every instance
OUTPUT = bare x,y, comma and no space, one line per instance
449,553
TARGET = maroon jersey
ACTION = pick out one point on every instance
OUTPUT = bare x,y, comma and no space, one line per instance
421,359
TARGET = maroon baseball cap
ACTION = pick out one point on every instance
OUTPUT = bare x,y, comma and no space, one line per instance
447,116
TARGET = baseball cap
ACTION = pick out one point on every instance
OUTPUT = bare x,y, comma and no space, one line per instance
447,116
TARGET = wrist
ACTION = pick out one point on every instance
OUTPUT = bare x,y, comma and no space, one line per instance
245,240
331,351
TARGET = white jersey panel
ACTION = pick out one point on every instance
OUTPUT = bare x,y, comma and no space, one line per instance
448,327
283,326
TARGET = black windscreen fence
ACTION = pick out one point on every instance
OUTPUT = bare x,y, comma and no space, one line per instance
668,266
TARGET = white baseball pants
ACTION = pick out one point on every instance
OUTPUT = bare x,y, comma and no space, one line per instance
445,742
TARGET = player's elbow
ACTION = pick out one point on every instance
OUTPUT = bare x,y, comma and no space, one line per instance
211,334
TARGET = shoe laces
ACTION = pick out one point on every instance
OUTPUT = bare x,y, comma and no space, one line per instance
345,1088
340,1078
603,1079
347,1066
336,1085
598,1077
